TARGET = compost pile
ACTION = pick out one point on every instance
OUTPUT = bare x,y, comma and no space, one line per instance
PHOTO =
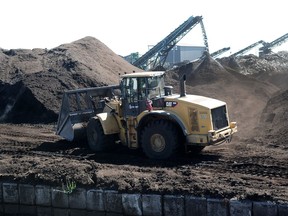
254,166
32,81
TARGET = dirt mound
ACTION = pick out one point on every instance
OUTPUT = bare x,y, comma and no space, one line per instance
32,81
230,63
270,68
207,72
275,120
18,104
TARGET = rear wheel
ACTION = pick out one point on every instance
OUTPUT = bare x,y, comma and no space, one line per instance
159,139
97,140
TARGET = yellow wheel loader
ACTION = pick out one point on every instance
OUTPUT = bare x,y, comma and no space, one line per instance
142,112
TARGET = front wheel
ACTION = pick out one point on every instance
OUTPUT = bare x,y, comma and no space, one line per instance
97,140
159,139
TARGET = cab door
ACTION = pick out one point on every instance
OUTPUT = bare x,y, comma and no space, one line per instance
134,95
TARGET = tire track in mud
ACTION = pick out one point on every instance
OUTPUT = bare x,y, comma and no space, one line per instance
22,140
255,167
25,135
260,170
22,149
216,170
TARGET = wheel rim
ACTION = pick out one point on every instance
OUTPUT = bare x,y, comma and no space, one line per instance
157,142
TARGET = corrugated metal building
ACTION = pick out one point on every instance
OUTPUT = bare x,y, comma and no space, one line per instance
184,53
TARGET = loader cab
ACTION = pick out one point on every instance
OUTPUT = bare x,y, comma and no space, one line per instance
137,88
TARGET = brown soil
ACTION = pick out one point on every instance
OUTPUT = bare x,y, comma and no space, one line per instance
254,166
32,81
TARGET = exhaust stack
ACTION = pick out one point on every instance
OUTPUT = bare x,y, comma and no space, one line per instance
183,86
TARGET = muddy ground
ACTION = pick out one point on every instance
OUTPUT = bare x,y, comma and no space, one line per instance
253,166
244,170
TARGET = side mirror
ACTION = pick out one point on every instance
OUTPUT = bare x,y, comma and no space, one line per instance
168,90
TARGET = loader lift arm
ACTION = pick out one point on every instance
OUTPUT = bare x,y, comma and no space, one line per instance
157,55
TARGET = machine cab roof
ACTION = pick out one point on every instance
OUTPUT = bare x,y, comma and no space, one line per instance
144,74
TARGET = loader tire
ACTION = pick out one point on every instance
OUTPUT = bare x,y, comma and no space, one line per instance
96,138
159,140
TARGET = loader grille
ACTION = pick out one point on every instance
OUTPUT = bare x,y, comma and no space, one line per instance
219,117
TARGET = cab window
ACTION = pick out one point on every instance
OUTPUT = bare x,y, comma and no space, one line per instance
155,87
130,88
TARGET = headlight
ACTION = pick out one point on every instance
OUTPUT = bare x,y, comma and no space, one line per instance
233,124
211,133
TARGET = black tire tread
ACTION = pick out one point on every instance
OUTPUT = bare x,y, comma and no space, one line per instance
168,130
104,142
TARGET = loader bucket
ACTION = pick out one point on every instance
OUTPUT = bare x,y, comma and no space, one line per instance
78,106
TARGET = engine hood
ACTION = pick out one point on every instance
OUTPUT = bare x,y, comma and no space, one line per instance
209,103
